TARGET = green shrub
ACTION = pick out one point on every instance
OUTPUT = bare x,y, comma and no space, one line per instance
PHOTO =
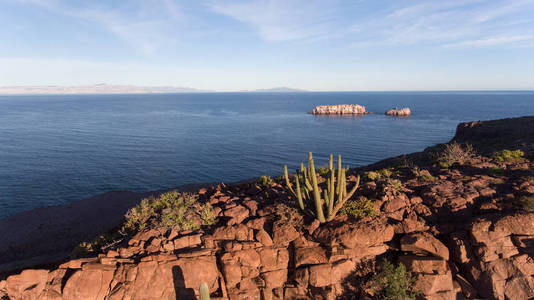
379,174
455,153
527,203
358,208
427,178
323,172
394,282
168,210
94,246
395,184
508,155
265,181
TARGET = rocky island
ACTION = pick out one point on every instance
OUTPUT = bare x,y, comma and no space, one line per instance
402,112
455,221
339,109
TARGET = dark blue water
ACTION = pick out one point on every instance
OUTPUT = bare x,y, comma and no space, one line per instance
57,149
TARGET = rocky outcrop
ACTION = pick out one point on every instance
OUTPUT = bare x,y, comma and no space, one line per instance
399,112
257,257
340,109
520,128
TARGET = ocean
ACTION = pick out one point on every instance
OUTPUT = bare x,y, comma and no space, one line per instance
56,149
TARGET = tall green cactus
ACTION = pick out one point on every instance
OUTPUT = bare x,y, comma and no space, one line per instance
334,192
204,291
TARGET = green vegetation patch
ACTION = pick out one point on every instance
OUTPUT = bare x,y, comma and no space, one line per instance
508,156
265,181
394,282
358,208
379,174
94,246
527,203
169,210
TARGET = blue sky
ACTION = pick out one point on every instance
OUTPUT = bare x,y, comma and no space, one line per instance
234,45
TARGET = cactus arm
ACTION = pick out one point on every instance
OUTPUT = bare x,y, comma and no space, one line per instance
299,194
338,187
288,183
339,205
316,193
354,188
332,192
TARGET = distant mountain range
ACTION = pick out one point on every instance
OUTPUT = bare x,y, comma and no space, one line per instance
101,88
281,89
104,88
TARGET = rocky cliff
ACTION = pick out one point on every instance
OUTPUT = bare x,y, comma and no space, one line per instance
463,231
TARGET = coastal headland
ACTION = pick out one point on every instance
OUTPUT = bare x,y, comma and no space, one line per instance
458,216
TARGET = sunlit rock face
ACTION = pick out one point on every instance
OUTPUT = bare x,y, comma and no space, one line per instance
340,109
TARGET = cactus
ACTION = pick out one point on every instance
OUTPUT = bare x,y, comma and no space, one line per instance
204,291
334,193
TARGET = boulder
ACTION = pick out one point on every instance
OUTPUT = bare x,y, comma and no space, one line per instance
422,264
424,243
26,285
310,256
360,234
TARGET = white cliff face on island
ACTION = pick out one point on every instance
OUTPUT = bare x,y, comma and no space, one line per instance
340,109
403,112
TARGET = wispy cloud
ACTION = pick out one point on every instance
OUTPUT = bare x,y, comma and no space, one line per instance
145,25
493,41
402,22
277,21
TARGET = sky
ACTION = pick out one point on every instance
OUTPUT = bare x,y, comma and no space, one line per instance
334,45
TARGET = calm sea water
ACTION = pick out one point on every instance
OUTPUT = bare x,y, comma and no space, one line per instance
58,149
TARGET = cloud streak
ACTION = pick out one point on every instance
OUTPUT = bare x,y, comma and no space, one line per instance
443,23
146,28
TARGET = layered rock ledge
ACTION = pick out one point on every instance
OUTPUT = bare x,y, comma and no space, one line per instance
340,109
461,231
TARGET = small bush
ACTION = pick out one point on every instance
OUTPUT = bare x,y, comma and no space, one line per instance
427,178
455,153
168,210
265,181
423,175
323,172
508,155
94,246
527,203
358,208
379,174
394,282
395,184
